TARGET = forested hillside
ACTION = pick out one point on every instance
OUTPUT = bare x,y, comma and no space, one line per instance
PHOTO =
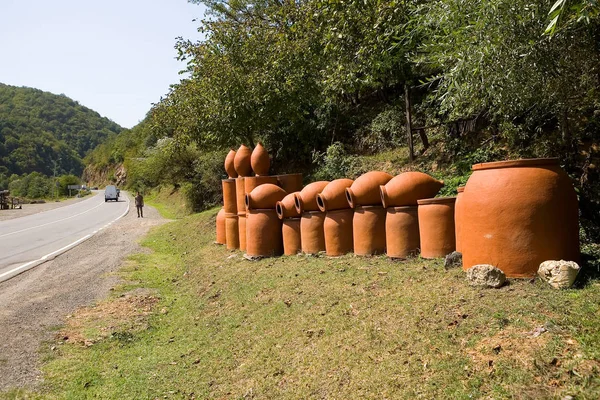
39,128
323,85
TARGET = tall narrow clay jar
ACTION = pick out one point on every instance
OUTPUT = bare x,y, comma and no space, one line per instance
221,235
242,161
229,164
365,189
436,227
292,240
260,160
306,200
333,196
402,232
232,233
408,187
517,214
458,215
337,228
229,196
263,233
368,225
312,232
290,182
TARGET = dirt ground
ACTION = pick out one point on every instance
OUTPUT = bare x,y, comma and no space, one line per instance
34,303
28,209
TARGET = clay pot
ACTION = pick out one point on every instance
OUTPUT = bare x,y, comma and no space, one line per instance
229,196
333,197
264,196
242,161
229,164
290,183
517,214
402,232
311,231
240,194
221,235
338,232
408,187
458,214
260,160
365,189
306,199
242,230
286,208
368,225
290,231
263,233
436,227
252,182
232,233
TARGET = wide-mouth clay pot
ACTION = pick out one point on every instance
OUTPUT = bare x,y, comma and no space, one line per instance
402,232
232,233
368,225
337,227
264,197
306,200
458,215
229,196
292,241
240,194
333,196
229,164
260,160
242,161
263,233
221,236
517,214
290,182
252,182
408,187
312,232
365,189
436,227
286,208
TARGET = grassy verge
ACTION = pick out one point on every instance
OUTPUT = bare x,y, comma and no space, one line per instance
169,202
197,321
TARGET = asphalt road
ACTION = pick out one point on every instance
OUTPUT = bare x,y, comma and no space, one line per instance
29,241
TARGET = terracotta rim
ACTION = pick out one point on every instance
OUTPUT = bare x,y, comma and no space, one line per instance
342,210
241,215
358,208
262,211
230,215
279,210
321,202
527,162
437,200
292,219
460,189
350,197
229,180
298,203
402,208
312,212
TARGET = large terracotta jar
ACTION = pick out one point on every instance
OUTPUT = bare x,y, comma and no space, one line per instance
229,196
252,182
240,194
292,243
242,161
286,208
368,225
263,233
264,196
408,187
517,214
260,160
242,230
232,233
337,228
436,227
333,197
306,199
311,231
365,189
458,214
402,231
221,235
290,182
229,164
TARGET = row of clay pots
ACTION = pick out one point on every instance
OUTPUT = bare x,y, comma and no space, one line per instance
243,161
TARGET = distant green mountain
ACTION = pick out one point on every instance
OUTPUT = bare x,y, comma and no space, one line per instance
40,129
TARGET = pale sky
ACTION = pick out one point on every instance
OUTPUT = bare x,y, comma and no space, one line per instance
113,56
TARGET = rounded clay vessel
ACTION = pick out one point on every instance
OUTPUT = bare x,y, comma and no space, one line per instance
458,214
306,200
408,187
337,227
290,230
242,230
229,196
290,182
333,196
242,161
260,160
368,225
311,231
221,236
286,208
402,232
264,197
436,227
232,233
365,189
263,233
252,182
518,214
229,164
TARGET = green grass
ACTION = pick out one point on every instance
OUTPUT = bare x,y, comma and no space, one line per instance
314,327
169,202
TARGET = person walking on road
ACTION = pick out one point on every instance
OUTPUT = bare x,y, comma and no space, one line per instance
139,204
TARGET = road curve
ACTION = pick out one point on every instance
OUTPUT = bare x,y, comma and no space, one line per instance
29,241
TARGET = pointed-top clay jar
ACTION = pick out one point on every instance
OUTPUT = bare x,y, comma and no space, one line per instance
306,199
365,189
333,197
242,161
260,160
286,208
229,164
407,188
264,197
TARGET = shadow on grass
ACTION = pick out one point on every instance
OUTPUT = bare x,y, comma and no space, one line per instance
590,267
